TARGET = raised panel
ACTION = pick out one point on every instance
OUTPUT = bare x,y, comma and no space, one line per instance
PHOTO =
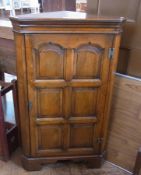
50,137
49,61
50,102
84,102
81,135
87,61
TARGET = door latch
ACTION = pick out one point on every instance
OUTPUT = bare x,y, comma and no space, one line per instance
99,140
29,105
111,53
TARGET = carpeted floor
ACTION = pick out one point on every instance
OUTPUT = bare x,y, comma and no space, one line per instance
13,167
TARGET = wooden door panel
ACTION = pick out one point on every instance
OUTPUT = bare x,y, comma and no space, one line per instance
81,136
71,96
49,61
50,137
87,61
84,102
50,102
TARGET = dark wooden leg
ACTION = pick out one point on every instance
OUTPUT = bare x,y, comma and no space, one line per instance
137,166
95,162
31,164
16,108
1,75
35,164
51,161
3,140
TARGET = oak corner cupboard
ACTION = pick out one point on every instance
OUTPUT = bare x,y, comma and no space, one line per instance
65,66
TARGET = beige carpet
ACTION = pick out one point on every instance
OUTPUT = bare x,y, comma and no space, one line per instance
13,167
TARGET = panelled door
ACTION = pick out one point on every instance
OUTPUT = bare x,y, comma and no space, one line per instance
67,76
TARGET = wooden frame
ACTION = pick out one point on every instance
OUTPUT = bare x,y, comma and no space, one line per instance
8,131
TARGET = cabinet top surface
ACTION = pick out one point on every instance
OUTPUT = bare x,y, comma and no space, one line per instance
65,16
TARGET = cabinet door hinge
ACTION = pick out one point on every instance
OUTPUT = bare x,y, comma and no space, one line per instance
99,140
111,53
29,105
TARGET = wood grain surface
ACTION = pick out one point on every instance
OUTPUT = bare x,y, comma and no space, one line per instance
125,122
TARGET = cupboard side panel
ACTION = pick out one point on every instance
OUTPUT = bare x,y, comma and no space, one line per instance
22,92
112,71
